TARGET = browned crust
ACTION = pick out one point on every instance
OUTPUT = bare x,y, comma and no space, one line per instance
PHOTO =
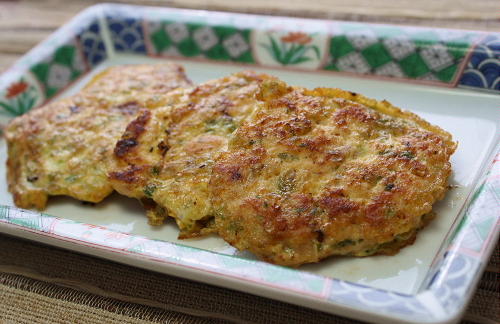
170,161
63,148
314,173
130,138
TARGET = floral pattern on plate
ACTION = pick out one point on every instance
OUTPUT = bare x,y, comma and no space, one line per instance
290,48
20,97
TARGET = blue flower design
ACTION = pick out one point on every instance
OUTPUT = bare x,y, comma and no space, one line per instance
127,34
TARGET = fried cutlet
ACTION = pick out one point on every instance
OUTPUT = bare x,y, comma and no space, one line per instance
165,156
63,147
315,173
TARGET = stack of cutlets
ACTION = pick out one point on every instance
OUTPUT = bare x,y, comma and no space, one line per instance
291,174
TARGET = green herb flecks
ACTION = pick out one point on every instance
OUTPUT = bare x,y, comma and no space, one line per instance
407,154
287,157
345,243
155,171
389,213
286,182
149,190
234,227
71,178
224,124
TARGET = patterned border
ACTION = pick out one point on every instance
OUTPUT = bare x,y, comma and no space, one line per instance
482,70
438,57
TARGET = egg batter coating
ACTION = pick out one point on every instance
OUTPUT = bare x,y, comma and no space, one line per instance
323,172
165,156
62,148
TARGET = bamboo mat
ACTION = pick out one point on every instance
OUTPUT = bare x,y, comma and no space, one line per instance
42,284
39,283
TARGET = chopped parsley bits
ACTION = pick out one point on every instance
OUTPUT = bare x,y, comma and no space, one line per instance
71,178
286,182
408,155
345,243
155,171
149,190
223,124
287,156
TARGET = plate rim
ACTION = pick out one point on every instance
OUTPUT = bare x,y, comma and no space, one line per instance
431,305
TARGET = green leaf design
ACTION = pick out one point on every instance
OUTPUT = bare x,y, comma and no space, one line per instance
301,59
8,108
276,50
20,106
30,103
287,54
271,52
298,53
316,50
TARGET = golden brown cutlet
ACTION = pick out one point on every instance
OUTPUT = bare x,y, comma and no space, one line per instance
63,147
170,163
314,173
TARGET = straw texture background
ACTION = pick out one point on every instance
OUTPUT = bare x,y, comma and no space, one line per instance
42,284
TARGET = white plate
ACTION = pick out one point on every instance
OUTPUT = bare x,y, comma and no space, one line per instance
385,287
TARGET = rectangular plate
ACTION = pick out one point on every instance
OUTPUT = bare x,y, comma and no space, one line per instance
435,73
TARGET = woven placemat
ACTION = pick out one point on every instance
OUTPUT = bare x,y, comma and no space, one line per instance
58,286
34,268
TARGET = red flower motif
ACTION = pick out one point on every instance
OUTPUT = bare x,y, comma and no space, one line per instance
16,89
296,37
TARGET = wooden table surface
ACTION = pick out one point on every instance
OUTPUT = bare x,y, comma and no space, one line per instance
23,24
